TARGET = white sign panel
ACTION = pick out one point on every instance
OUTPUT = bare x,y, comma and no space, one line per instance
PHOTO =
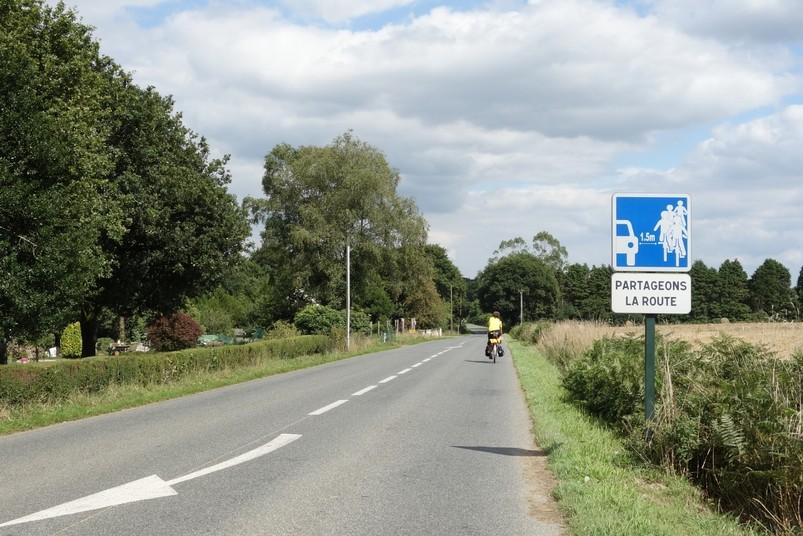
637,293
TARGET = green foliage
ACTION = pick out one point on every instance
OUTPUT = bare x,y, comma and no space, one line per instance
549,249
600,487
71,341
733,293
175,332
318,319
498,287
282,329
529,332
727,415
770,291
704,292
103,345
319,198
49,382
54,161
607,381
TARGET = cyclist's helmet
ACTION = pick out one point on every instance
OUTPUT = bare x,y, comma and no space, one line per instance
496,314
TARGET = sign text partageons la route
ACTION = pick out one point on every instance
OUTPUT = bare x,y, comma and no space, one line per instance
651,233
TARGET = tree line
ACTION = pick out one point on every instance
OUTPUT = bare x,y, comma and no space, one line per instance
551,288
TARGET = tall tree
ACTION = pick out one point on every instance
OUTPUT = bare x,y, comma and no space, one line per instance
598,304
182,228
770,290
318,200
704,292
499,284
799,290
575,290
508,247
733,293
56,207
549,249
449,281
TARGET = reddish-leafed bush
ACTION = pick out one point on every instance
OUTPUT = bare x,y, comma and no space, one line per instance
175,332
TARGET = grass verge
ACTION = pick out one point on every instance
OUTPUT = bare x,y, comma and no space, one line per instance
118,397
601,489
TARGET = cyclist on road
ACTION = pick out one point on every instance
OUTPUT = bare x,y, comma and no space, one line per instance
494,332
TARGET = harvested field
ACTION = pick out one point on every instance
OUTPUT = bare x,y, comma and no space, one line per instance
784,339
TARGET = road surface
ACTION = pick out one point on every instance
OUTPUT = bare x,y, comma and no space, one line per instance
426,439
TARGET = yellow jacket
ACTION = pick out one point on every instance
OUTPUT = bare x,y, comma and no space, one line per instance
494,324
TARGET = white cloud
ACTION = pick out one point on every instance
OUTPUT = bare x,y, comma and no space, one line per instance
765,21
341,10
101,11
746,186
502,123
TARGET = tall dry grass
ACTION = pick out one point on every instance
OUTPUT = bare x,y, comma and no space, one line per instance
565,341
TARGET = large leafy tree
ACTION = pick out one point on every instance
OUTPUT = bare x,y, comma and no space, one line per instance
732,291
499,284
771,292
56,203
182,228
318,200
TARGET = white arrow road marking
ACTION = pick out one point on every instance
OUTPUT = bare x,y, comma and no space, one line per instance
279,442
151,487
363,391
324,409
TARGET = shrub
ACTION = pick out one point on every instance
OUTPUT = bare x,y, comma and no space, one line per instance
282,329
71,341
103,345
318,319
175,332
607,381
360,322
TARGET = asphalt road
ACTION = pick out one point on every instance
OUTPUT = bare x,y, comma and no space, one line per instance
427,439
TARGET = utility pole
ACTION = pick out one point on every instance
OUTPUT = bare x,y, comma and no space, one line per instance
521,306
451,310
348,295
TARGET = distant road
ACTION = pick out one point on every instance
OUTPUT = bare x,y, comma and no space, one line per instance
427,439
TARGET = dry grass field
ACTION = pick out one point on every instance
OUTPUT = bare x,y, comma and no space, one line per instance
784,339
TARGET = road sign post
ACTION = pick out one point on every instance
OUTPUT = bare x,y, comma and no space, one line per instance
650,236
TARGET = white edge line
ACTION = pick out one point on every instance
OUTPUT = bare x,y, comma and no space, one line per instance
405,371
389,378
363,391
333,405
417,364
425,360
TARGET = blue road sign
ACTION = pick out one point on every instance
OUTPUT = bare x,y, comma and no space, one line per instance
651,233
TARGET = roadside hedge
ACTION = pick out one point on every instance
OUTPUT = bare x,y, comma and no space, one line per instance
43,382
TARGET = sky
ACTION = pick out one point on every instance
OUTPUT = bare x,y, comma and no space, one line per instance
507,117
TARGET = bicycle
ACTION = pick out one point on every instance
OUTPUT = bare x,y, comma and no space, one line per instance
494,348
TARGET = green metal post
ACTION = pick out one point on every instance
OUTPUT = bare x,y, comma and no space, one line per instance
649,368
